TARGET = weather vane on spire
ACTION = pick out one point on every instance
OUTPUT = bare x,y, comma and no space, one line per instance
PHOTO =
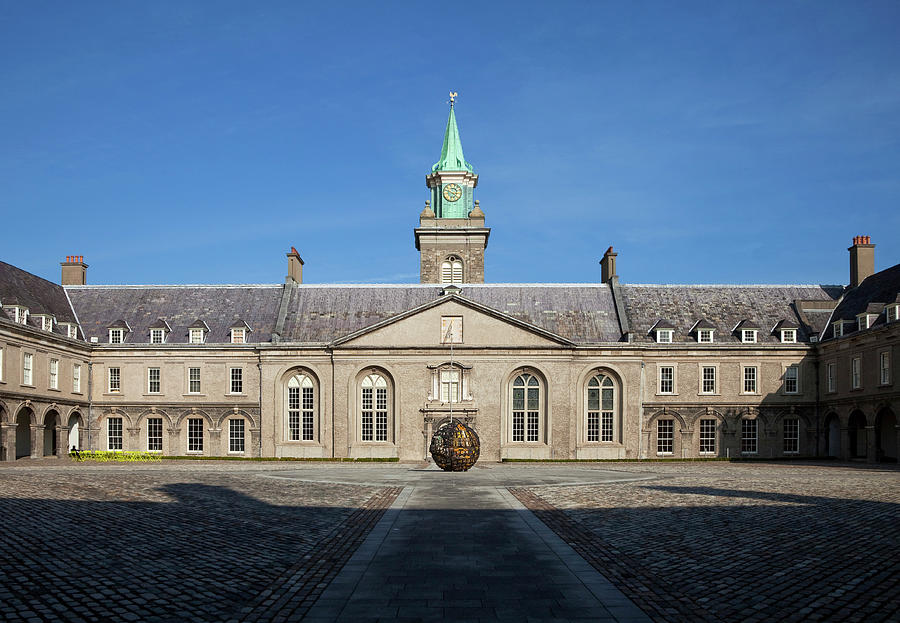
453,96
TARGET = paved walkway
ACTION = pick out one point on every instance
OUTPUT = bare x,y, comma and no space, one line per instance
461,547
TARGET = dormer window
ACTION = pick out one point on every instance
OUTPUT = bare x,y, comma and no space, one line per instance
70,329
839,328
664,336
788,336
157,336
864,321
238,336
45,321
197,336
19,314
116,336
748,336
892,312
705,336
663,330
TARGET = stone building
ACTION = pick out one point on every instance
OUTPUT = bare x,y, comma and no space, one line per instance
607,370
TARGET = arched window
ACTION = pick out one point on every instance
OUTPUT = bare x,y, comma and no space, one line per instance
301,409
601,409
526,408
452,270
374,408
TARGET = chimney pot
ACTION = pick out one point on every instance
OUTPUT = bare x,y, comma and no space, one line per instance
862,260
74,271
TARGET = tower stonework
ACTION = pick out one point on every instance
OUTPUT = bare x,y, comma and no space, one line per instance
451,236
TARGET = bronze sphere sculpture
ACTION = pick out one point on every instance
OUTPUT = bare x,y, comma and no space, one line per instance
455,447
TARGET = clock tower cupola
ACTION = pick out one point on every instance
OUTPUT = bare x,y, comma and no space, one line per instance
451,236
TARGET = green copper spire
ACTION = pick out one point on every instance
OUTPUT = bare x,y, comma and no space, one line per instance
452,152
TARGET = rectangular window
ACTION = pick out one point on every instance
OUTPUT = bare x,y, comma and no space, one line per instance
157,336
791,380
749,379
862,322
27,363
664,336
308,414
115,380
235,435
153,380
46,323
705,336
885,365
838,329
76,378
237,380
855,378
380,414
449,385
600,414
789,336
237,336
893,313
791,435
748,436
665,436
154,434
526,414
196,336
72,331
294,413
114,433
666,379
831,372
708,380
116,336
54,374
193,380
195,434
707,436
748,336
367,417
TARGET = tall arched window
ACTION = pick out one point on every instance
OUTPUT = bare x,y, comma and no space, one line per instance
526,408
374,408
452,270
301,410
601,408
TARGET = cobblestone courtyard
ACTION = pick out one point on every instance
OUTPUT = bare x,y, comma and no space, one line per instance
254,541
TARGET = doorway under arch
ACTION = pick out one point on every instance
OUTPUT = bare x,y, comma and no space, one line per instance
74,432
23,433
51,437
886,435
856,431
832,436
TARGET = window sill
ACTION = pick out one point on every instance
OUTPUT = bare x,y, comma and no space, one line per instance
236,395
53,389
78,393
665,453
195,452
709,394
113,394
190,394
749,453
707,454
153,394
28,386
666,394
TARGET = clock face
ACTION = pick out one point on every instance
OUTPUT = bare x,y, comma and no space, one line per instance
452,192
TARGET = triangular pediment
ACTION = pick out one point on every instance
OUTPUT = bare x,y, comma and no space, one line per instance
481,327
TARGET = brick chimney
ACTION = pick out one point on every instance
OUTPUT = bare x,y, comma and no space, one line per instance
74,271
608,266
862,259
295,266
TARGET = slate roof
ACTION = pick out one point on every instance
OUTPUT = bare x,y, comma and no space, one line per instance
724,306
19,287
881,288
583,313
180,306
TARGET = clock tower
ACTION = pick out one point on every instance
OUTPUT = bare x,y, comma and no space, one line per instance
451,236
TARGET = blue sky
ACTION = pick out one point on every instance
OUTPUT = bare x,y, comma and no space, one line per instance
717,142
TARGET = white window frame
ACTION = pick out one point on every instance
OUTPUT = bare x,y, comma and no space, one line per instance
157,336
665,437
76,378
856,372
831,377
789,336
660,379
302,402
236,436
238,336
195,443
20,314
792,374
750,379
790,435
191,380
151,380
46,322
748,336
236,381
116,336
600,422
449,385
28,369
702,390
705,333
706,437
154,425
884,365
838,328
863,322
375,409
892,313
526,413
749,442
664,336
114,379
115,443
72,330
53,377
196,336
